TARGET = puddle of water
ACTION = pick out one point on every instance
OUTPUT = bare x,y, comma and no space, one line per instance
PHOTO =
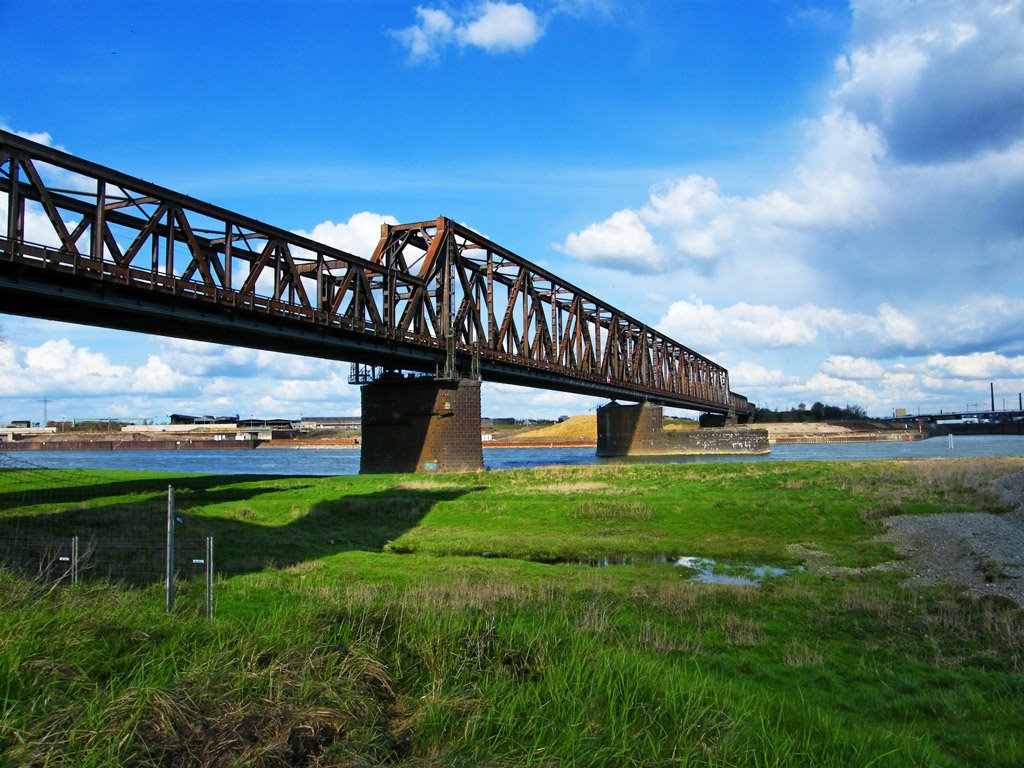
705,570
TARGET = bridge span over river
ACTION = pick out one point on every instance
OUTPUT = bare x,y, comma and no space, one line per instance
83,243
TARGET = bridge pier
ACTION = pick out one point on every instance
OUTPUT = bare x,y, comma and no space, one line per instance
420,425
628,430
637,430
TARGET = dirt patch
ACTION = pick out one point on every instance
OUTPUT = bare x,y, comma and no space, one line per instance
981,552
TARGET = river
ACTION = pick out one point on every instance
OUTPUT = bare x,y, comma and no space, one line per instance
330,461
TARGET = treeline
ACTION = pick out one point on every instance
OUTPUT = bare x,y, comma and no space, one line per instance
817,412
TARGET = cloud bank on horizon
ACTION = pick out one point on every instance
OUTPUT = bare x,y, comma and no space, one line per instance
909,193
884,269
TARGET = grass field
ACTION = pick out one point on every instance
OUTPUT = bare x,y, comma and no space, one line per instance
358,623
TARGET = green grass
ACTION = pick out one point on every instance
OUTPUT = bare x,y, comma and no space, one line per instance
357,623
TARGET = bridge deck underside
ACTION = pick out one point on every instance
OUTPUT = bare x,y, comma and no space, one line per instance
111,305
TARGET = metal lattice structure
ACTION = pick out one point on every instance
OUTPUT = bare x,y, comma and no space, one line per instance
86,244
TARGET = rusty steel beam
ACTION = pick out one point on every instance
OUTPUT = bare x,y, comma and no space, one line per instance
105,248
564,330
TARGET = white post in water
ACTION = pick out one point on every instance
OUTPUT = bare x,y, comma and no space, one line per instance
169,601
951,441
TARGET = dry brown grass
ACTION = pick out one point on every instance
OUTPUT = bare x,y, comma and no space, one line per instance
867,599
608,511
581,486
465,595
575,428
677,599
797,653
680,427
426,485
741,632
661,639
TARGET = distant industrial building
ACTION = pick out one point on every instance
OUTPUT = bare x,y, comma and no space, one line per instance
179,418
331,422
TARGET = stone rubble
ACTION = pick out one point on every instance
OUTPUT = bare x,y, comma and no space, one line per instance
981,552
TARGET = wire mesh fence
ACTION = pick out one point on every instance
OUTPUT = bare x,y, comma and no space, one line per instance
52,532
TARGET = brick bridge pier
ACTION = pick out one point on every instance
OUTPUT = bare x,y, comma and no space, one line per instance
637,430
423,424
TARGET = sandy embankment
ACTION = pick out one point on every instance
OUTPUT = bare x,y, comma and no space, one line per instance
582,430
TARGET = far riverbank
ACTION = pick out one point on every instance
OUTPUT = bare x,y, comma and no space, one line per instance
578,433
341,461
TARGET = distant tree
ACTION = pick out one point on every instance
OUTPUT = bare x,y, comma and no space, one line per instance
818,412
856,412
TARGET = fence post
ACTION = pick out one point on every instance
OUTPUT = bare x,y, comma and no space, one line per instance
74,559
209,577
169,601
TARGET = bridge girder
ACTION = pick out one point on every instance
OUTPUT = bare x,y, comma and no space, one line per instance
87,244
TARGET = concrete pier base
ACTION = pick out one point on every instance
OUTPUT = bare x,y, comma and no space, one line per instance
420,425
637,430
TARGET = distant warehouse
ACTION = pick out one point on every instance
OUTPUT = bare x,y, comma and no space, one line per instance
331,422
180,418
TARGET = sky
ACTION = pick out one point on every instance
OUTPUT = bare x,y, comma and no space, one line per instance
826,198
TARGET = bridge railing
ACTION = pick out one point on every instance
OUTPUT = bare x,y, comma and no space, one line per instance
433,285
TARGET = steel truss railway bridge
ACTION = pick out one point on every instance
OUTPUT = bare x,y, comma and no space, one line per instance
86,244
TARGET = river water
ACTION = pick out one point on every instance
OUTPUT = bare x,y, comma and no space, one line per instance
330,461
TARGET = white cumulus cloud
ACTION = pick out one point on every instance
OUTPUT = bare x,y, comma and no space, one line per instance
434,30
501,27
358,235
621,241
943,79
978,365
495,27
59,368
847,367
854,338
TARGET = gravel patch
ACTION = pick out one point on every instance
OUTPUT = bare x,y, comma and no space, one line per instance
982,553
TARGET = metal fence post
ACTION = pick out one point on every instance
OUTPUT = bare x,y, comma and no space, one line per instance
74,559
209,577
169,601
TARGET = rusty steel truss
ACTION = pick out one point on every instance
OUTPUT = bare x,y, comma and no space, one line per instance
86,244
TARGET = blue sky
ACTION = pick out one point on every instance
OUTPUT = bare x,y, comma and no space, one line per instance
824,197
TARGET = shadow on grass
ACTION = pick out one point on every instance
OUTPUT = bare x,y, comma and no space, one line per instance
125,542
20,488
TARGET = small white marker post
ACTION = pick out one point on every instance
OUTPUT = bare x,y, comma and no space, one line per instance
169,598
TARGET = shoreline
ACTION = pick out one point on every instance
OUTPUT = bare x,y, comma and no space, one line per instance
821,433
30,446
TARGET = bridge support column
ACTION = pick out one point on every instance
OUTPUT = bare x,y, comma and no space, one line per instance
420,425
718,420
636,430
626,430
